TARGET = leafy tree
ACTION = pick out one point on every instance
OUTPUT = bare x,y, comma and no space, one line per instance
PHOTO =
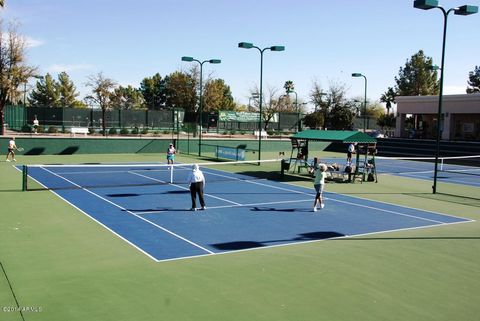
180,91
316,96
67,92
314,120
474,81
46,93
217,96
13,69
127,98
388,98
52,93
417,77
386,120
102,94
153,92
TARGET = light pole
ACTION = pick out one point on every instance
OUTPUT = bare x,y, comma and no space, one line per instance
248,45
464,10
212,61
356,74
254,96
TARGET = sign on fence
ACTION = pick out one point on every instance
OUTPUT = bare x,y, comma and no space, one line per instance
231,153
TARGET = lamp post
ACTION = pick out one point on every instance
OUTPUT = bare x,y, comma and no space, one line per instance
254,96
248,45
464,10
356,74
212,61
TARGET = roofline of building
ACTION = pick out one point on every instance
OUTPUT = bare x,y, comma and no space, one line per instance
430,98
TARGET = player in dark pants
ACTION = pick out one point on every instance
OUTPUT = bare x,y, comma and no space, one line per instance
197,184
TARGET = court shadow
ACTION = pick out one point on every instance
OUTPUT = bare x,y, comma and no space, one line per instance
303,237
35,151
123,195
69,150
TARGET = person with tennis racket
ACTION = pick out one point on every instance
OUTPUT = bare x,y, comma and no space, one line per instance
11,149
196,180
171,154
319,172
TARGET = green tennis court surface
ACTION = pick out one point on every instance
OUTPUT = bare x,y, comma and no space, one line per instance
57,259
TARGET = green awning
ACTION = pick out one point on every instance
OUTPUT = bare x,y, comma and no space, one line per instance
344,136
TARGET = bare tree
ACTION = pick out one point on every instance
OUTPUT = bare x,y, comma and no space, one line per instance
13,69
102,94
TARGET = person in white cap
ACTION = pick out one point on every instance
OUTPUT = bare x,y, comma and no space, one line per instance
196,180
320,174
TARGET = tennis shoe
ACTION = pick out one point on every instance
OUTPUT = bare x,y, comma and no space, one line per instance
14,160
203,208
315,209
193,209
7,160
322,205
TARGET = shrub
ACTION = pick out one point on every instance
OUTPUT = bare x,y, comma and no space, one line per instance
144,131
26,129
135,131
52,130
270,132
166,132
112,131
124,131
91,130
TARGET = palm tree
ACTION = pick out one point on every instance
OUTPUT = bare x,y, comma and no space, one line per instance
388,98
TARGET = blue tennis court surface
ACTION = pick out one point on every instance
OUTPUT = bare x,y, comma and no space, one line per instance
241,214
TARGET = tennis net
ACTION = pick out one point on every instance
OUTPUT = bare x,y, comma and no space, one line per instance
75,176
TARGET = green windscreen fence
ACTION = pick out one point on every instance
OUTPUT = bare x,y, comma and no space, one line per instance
15,117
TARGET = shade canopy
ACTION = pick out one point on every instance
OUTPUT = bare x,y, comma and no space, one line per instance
343,136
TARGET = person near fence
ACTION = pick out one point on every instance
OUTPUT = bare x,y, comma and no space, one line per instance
196,180
11,149
171,151
36,123
350,151
320,173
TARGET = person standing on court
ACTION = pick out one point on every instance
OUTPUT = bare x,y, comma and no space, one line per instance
196,180
36,123
350,151
11,149
320,173
171,154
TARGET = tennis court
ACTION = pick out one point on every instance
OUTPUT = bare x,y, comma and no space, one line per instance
148,206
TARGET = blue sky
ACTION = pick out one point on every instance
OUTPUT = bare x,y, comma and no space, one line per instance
325,41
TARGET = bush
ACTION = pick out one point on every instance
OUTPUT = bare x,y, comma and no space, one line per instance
270,132
52,130
135,131
145,131
124,131
112,131
91,130
166,132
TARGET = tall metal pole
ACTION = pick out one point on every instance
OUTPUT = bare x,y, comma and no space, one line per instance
440,100
260,106
365,107
201,110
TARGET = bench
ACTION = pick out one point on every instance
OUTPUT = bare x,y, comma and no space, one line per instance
263,133
78,130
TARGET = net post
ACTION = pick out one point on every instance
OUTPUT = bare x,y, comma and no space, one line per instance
282,168
171,174
24,178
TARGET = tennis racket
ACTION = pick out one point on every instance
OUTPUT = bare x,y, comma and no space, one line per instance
20,149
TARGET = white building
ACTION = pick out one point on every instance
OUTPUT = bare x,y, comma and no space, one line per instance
460,120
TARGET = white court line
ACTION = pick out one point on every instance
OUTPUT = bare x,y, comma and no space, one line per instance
340,201
232,206
131,213
184,188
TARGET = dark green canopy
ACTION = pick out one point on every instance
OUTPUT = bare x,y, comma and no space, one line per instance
344,136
